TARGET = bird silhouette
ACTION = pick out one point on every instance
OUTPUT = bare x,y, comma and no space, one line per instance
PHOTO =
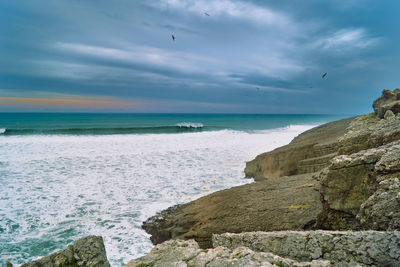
323,75
205,13
173,37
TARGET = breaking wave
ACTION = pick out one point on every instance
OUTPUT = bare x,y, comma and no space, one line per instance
189,125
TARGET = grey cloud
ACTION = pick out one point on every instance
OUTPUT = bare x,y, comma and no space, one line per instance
124,49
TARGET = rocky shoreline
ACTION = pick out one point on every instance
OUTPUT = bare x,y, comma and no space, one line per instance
341,176
284,248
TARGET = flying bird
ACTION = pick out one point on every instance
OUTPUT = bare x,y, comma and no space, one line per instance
323,75
205,13
173,37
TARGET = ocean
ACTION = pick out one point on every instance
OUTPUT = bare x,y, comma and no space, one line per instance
66,176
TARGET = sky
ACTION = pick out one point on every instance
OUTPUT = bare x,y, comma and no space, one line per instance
254,56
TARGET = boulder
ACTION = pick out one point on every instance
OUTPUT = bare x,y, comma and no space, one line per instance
385,102
87,251
393,107
389,115
170,253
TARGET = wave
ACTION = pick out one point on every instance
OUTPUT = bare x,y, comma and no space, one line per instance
178,128
189,125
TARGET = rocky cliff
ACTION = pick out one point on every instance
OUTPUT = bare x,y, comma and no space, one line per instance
342,175
309,152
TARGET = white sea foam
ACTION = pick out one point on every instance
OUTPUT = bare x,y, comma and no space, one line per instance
289,129
2,130
189,125
60,188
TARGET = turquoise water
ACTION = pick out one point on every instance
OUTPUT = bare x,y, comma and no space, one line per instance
94,124
66,176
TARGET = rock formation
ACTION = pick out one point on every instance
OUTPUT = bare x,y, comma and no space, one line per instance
388,101
307,153
341,248
359,190
87,251
188,253
277,204
342,175
286,248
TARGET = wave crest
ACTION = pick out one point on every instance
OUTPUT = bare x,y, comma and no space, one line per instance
189,125
2,130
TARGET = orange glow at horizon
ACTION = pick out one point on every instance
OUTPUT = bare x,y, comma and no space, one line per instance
100,102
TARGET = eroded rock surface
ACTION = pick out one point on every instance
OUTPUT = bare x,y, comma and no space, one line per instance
188,253
359,190
290,202
307,153
346,248
87,251
283,248
368,131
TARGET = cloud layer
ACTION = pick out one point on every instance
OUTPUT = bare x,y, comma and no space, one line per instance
242,56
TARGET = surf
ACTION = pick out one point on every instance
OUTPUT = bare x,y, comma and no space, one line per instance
178,128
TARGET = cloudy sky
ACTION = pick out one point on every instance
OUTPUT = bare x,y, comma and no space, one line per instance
253,56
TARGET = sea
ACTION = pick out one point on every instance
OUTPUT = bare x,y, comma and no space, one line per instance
66,176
